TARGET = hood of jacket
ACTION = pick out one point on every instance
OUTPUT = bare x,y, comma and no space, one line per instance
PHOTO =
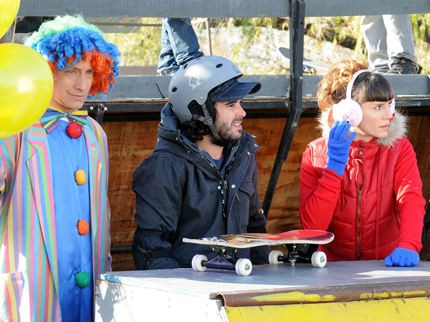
396,130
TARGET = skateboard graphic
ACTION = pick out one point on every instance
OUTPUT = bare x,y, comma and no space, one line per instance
301,245
309,66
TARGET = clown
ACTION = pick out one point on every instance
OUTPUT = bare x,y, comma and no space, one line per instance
54,210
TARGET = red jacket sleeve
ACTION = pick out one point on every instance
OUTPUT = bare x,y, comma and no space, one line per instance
319,191
410,202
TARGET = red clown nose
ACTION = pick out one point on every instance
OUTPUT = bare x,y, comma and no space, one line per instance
74,130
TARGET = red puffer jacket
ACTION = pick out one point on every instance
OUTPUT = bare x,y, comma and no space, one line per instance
375,207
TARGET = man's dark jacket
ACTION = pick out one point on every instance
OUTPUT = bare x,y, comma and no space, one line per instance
181,193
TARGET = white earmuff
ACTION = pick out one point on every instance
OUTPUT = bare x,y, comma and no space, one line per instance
393,106
348,109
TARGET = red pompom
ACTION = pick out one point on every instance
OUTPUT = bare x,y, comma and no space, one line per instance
74,130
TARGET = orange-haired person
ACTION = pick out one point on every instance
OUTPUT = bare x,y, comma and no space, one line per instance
54,210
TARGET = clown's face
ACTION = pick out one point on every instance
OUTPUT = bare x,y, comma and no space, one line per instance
71,86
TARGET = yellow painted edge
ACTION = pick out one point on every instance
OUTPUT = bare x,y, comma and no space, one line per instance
294,297
389,295
393,310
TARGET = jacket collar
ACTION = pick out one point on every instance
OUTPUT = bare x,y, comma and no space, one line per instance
36,134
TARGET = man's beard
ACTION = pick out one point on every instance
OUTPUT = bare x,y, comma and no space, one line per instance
226,138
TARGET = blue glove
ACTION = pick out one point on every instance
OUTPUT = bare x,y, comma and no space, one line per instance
402,257
338,146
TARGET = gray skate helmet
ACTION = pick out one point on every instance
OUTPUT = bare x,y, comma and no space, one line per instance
195,80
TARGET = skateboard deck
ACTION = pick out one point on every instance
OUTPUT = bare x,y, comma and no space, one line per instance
301,245
306,62
318,237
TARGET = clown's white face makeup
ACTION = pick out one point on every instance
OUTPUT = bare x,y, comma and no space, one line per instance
376,121
71,86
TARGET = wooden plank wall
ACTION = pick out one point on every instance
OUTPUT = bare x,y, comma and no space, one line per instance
132,142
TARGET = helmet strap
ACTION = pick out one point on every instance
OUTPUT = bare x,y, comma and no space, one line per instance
217,140
207,120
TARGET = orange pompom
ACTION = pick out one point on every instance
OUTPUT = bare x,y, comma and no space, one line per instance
83,227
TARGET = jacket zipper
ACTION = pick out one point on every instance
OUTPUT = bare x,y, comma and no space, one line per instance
224,192
224,181
359,208
358,227
234,169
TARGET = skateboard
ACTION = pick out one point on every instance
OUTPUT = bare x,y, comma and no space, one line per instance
301,246
309,66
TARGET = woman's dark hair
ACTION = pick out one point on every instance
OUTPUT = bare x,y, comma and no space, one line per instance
372,87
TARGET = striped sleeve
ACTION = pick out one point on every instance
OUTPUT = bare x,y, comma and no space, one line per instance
2,177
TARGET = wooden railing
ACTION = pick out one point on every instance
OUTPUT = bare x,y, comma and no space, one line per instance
217,8
149,93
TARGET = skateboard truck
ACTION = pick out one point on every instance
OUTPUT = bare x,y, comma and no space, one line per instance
299,252
224,260
293,254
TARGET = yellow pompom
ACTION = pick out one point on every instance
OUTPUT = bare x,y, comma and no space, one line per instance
80,177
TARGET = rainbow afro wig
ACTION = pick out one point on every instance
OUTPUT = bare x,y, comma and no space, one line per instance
67,40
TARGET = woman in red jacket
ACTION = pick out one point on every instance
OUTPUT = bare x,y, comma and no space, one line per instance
360,180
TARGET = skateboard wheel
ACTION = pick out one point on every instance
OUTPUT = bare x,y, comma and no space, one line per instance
274,257
243,267
197,263
319,259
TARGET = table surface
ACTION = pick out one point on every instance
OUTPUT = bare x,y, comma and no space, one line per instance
282,277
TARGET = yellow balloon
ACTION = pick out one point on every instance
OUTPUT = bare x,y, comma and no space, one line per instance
8,11
26,87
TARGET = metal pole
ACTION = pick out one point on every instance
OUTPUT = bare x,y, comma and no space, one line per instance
426,228
294,99
208,28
